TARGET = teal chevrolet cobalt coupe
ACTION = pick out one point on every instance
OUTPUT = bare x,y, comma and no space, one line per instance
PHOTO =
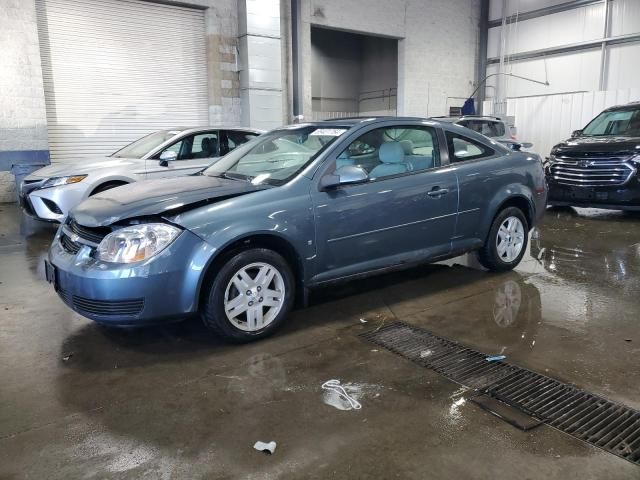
296,208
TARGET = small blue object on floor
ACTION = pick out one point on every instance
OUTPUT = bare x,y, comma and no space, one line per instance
496,358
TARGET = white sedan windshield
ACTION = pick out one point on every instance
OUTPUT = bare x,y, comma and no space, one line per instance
276,157
144,145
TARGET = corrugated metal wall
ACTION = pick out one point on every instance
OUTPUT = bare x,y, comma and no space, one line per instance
569,72
548,119
115,70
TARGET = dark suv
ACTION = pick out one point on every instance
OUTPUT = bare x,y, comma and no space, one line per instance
597,166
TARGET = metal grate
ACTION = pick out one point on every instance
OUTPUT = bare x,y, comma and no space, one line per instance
610,426
453,360
596,420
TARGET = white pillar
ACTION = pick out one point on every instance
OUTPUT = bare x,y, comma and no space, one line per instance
260,63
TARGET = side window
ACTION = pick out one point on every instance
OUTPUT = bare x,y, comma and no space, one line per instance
176,147
203,145
485,127
462,148
233,138
384,152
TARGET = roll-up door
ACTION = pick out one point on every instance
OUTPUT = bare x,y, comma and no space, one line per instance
115,70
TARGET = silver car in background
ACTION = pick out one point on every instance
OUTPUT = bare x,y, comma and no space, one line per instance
495,128
50,192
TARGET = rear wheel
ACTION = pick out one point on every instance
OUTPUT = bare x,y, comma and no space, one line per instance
507,241
250,296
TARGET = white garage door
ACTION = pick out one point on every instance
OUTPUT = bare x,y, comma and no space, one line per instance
115,70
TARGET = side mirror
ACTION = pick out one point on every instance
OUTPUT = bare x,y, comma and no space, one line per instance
515,146
167,156
526,144
576,133
347,175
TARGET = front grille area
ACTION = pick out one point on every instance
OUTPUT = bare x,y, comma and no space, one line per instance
591,171
91,234
69,245
105,308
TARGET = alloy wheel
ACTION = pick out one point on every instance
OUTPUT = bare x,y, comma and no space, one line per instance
510,239
254,296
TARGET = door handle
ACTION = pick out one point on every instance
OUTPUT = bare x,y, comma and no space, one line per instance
437,191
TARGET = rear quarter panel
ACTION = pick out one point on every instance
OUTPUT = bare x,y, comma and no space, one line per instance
485,185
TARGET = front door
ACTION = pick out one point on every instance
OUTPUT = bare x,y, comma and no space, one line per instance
406,211
194,152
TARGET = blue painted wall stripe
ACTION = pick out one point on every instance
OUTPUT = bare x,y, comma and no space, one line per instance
11,158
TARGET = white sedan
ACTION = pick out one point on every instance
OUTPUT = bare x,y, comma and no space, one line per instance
50,192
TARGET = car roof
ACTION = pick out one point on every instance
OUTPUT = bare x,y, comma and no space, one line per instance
349,122
630,105
183,130
468,117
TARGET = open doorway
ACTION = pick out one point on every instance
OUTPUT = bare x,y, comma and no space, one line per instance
353,74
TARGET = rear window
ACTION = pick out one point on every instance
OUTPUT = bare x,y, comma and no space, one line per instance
488,128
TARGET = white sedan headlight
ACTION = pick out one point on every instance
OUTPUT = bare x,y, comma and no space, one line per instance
136,243
57,181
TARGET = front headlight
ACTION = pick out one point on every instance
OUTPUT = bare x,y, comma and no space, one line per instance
136,243
57,181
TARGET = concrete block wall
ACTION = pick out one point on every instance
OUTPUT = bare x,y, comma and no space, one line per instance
223,62
23,120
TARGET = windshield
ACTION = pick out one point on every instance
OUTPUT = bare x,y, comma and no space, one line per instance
144,145
618,122
275,158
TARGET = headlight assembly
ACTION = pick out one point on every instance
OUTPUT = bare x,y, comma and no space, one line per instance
57,181
136,243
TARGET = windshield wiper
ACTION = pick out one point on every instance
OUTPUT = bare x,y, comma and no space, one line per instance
237,176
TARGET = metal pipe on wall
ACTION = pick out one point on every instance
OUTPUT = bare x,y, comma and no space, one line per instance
295,58
482,52
603,48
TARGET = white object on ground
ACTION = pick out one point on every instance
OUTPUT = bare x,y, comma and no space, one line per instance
265,447
334,386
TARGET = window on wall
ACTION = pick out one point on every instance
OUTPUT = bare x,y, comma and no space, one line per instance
462,148
385,152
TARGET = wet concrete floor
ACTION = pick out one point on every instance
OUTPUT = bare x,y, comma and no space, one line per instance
80,401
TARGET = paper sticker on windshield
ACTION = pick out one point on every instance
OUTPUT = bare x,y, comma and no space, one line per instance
328,132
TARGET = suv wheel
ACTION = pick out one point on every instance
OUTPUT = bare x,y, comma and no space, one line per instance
250,296
506,242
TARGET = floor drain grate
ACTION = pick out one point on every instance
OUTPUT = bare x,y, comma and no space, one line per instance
455,361
596,420
610,426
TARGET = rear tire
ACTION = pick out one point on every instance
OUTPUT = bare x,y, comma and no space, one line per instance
250,296
506,242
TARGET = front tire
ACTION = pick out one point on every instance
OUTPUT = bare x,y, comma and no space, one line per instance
250,296
507,241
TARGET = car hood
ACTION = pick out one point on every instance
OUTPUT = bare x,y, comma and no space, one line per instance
85,166
153,197
596,145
